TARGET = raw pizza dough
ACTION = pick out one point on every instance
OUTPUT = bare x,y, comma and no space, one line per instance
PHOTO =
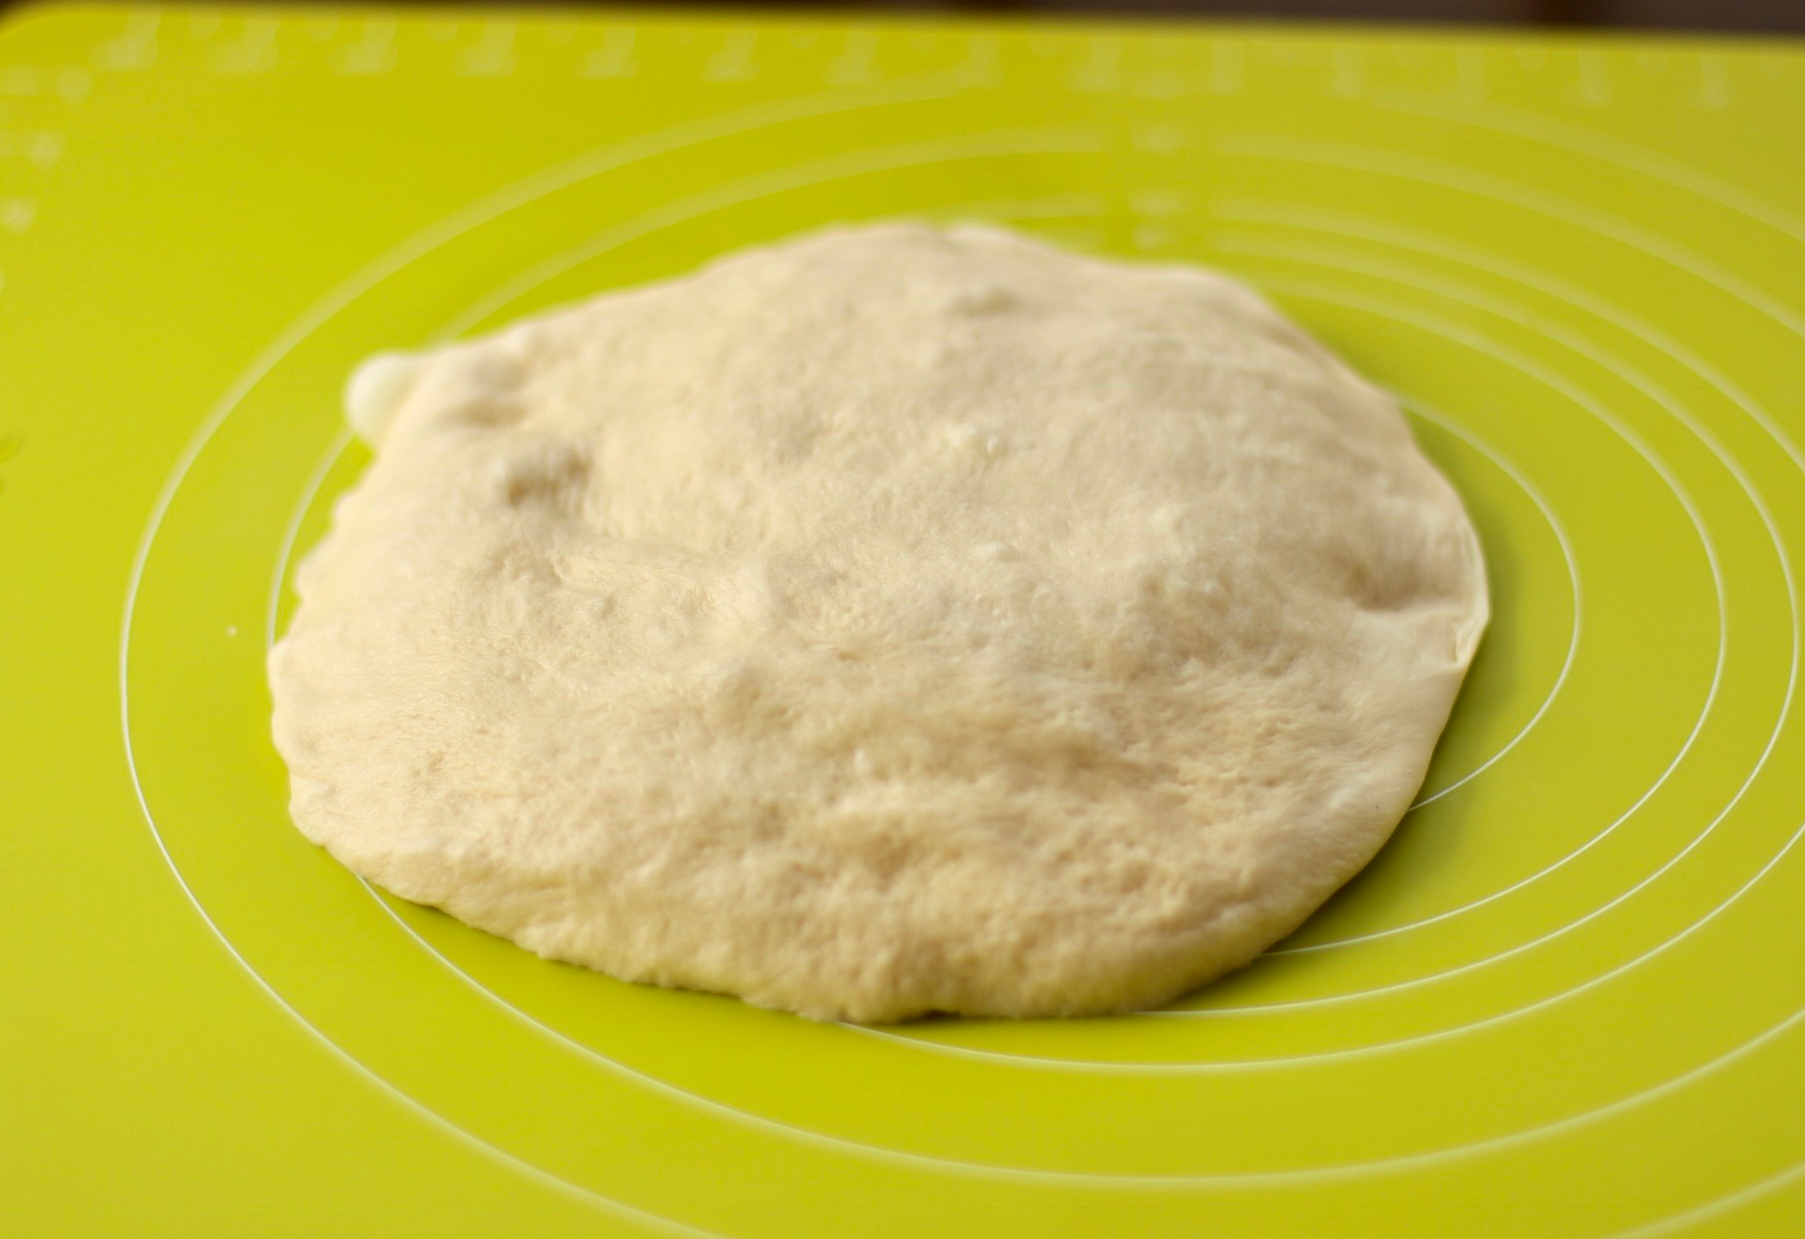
891,621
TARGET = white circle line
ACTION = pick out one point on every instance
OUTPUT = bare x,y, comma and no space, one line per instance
432,1117
1502,119
292,530
419,1109
1712,1208
1484,185
1560,534
1491,1144
1256,211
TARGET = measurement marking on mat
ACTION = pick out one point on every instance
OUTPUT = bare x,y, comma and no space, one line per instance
1469,74
134,49
1349,76
1158,203
857,64
38,147
737,61
1102,67
983,60
253,52
1160,84
73,84
373,53
1714,82
1158,139
1594,80
1225,69
16,214
492,55
614,58
1151,234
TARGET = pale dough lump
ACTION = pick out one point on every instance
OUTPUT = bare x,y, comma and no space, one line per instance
892,620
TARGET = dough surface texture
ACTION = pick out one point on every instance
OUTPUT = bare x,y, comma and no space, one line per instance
889,621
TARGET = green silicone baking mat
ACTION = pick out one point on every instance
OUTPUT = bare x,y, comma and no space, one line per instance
1566,1002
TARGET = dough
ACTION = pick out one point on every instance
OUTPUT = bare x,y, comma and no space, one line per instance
894,620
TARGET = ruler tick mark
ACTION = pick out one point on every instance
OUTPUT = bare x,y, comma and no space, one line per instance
40,147
17,214
737,61
1102,67
135,47
1714,82
614,58
983,60
1225,68
1152,235
1469,74
254,52
1158,139
1157,203
73,83
856,65
373,53
1163,84
1594,80
492,55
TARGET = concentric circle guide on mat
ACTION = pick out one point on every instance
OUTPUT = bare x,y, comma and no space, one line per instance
1564,1002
